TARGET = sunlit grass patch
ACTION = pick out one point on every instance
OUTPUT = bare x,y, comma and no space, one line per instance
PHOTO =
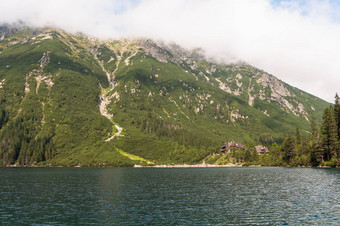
134,157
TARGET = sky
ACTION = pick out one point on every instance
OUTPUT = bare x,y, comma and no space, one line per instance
298,41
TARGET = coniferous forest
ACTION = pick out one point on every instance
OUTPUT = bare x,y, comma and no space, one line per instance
320,148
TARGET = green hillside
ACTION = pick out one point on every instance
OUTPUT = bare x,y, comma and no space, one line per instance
75,100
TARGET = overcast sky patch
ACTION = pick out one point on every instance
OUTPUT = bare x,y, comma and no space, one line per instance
297,41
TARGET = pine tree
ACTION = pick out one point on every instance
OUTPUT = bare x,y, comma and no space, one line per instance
329,138
289,148
316,151
337,113
314,128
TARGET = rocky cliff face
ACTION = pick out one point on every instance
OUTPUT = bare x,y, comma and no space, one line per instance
67,96
249,84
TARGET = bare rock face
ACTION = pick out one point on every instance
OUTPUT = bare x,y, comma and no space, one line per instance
276,86
172,52
151,48
2,82
281,95
38,73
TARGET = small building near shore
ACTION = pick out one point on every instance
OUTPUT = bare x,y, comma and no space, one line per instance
261,150
232,145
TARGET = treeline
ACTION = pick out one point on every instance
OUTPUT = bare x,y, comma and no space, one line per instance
320,148
22,141
21,144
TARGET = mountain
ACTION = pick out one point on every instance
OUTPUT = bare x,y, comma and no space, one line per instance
71,99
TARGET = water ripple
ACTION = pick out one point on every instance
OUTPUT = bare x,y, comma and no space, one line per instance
222,196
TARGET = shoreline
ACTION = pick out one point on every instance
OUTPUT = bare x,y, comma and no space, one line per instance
202,165
189,166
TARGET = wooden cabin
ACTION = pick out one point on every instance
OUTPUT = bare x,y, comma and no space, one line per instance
261,150
232,145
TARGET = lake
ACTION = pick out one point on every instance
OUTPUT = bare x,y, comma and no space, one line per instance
180,196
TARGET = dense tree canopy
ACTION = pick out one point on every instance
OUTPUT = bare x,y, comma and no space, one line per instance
323,145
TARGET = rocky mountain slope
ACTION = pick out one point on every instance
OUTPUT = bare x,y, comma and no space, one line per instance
72,99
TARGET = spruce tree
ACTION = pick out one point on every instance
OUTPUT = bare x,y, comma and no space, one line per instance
337,114
289,148
298,141
316,151
329,137
314,128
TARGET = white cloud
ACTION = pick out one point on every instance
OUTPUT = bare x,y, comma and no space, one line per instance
297,43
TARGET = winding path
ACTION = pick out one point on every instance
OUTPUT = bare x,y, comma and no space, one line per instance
105,99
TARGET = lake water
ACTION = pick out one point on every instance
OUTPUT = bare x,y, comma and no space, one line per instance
180,196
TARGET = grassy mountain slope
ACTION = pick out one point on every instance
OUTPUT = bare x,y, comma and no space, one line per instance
70,99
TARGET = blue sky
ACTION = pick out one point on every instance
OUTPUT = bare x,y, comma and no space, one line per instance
306,6
302,2
124,5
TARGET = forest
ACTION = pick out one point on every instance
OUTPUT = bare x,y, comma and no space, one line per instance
320,148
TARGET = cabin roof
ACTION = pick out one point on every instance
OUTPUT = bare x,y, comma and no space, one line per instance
261,149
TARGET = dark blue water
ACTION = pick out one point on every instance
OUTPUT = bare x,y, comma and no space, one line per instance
203,196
